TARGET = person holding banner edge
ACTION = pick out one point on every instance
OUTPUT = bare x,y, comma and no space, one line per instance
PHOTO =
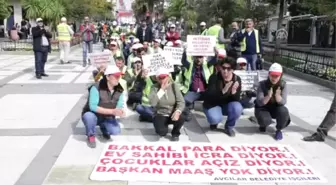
222,97
168,102
196,76
271,100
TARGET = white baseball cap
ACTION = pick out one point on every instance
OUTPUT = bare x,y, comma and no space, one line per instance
203,24
63,19
114,23
172,26
112,70
136,40
157,40
179,42
162,73
241,60
221,53
170,44
275,69
137,59
39,19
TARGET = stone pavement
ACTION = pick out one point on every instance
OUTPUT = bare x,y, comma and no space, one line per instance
43,140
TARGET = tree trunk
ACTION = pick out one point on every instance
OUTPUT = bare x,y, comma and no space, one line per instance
280,18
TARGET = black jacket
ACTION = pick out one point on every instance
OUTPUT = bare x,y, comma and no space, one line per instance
37,33
213,95
148,34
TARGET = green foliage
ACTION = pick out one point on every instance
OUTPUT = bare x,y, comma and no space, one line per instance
52,11
4,9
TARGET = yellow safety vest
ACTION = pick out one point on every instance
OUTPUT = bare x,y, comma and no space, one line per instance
63,32
131,73
214,31
188,74
204,32
146,91
243,42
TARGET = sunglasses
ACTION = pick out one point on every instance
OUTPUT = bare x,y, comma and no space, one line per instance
226,68
242,64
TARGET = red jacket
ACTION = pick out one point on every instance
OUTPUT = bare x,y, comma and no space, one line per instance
88,36
172,36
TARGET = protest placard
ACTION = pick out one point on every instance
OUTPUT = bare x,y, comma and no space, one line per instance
200,45
101,58
203,163
249,79
174,54
262,75
154,62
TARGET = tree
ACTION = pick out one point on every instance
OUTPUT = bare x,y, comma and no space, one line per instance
50,11
5,11
328,7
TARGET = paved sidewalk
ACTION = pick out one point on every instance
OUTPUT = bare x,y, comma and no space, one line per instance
43,140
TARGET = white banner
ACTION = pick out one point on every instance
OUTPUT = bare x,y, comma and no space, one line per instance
174,54
203,163
200,45
154,62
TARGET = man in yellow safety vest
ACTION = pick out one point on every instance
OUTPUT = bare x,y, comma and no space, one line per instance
203,29
217,31
250,43
195,79
64,33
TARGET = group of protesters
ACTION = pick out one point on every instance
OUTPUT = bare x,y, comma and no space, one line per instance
168,97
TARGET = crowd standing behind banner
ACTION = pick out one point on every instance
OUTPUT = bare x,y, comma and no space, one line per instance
162,85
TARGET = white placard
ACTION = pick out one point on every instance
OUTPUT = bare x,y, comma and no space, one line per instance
154,62
249,79
200,45
203,163
174,54
101,58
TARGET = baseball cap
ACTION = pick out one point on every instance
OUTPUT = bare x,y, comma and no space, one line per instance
178,42
112,70
157,40
114,23
221,53
241,60
162,73
203,24
63,19
136,40
170,44
39,19
275,69
172,26
137,59
114,43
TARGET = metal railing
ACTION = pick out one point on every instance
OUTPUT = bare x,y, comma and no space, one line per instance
320,65
27,44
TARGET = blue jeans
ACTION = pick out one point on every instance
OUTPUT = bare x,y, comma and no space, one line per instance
251,61
91,120
233,110
87,48
191,97
145,111
41,58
